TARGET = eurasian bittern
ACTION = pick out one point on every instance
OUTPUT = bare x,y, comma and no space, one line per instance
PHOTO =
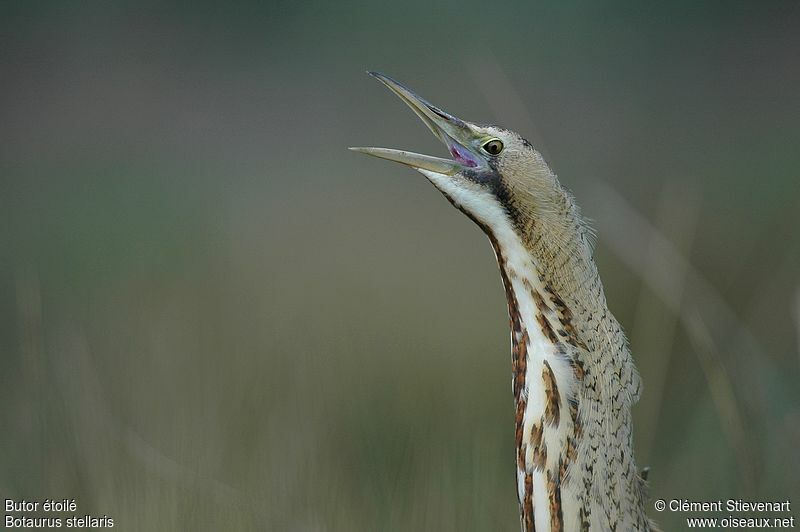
574,380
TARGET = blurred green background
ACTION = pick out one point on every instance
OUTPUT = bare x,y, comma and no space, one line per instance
213,316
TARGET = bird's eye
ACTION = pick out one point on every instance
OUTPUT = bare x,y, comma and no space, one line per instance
493,147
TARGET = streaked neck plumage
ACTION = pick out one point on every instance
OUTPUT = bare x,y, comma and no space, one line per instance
574,381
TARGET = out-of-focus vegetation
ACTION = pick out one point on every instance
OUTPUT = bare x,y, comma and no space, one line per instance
214,317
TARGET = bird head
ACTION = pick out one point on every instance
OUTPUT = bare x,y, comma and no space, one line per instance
494,175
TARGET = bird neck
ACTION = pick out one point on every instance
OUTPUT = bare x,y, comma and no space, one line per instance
573,380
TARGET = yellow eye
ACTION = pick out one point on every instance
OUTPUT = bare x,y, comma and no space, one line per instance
493,147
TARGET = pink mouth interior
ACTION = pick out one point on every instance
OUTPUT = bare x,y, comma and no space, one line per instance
462,156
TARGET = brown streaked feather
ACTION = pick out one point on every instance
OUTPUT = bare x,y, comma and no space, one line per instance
552,412
527,506
554,496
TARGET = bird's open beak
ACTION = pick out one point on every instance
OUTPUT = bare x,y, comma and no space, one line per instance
453,132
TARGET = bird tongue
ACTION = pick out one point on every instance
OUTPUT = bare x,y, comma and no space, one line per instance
461,155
